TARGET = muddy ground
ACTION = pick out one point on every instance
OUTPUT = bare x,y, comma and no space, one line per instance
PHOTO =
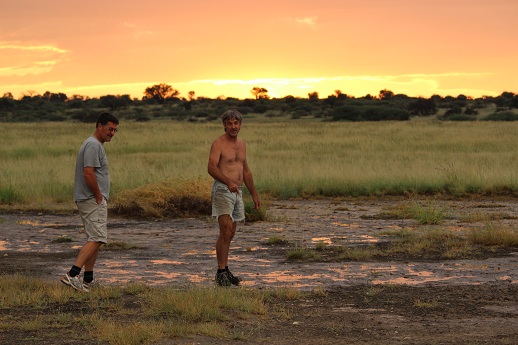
399,301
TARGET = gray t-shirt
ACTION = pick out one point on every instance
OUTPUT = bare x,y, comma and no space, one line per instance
91,154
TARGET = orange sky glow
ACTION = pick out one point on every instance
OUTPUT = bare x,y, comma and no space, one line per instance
290,47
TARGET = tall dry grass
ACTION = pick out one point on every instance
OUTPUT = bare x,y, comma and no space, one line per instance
288,158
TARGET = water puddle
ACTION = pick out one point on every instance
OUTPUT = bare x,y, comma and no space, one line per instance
3,245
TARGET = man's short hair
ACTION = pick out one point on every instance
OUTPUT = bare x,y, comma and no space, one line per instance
104,118
231,113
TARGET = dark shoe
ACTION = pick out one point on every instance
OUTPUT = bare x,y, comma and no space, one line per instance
233,279
222,279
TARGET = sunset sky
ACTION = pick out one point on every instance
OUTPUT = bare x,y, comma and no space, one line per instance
225,48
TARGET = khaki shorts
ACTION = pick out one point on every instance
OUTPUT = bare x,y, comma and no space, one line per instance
226,202
95,219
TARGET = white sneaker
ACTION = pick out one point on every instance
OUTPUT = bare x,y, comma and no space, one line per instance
74,282
94,284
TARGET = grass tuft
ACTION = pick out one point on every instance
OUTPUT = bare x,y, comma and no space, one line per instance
118,245
169,198
491,236
277,241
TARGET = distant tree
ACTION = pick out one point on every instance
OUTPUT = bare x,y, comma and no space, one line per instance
160,93
331,100
313,96
504,100
259,92
187,104
340,95
7,101
115,102
290,99
386,95
422,107
54,97
30,93
77,97
436,98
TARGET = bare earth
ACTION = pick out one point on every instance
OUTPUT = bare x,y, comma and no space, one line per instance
374,302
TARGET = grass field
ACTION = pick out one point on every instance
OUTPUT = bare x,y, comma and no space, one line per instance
289,158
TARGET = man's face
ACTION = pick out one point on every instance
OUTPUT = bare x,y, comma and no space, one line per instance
107,131
232,127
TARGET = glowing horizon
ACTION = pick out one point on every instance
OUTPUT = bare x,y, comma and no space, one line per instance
277,87
289,48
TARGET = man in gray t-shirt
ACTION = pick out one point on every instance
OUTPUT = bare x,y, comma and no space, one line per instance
91,154
91,193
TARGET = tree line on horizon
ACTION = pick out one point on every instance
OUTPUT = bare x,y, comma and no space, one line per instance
163,101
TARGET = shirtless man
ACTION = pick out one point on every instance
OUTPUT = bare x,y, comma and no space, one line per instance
229,168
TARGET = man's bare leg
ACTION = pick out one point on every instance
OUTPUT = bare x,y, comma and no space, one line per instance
88,255
227,230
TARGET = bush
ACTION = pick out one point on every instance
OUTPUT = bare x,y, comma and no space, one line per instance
457,117
470,111
85,116
369,113
453,111
502,116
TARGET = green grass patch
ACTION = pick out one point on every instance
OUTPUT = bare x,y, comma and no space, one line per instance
277,241
303,254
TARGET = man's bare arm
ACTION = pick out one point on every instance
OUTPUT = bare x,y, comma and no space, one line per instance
91,181
249,183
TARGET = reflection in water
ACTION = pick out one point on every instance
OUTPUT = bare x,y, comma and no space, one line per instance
3,245
40,224
366,238
345,225
325,240
167,262
29,222
167,275
288,277
125,263
408,281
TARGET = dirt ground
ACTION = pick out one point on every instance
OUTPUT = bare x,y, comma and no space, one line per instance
468,301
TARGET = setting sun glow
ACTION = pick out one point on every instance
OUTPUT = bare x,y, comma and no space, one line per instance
225,48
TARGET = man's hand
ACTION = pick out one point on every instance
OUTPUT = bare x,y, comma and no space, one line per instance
257,202
232,187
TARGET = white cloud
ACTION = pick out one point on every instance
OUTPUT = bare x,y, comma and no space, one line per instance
138,32
311,21
44,48
19,71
